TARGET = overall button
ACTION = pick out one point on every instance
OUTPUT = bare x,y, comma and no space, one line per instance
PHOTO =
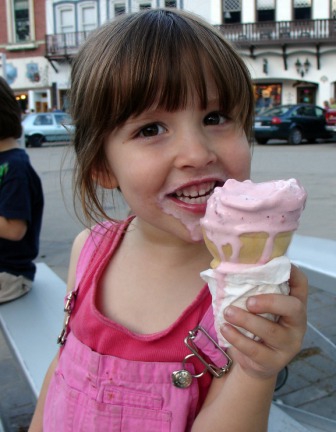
182,378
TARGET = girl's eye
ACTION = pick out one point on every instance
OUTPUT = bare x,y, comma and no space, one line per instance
151,130
214,118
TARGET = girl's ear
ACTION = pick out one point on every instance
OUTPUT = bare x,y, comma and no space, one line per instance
105,178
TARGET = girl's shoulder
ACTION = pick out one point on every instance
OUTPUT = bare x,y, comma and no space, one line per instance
97,233
110,228
95,243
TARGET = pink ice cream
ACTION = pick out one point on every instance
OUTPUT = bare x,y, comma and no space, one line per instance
259,213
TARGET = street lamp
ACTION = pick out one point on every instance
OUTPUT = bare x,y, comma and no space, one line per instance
302,68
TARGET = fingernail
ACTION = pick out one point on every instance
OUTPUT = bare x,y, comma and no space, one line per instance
229,312
251,301
225,328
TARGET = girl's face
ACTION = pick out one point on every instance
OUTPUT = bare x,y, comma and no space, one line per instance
168,163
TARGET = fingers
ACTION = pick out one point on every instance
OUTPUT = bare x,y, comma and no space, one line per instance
242,344
283,305
279,343
280,340
289,308
289,328
271,333
298,283
256,358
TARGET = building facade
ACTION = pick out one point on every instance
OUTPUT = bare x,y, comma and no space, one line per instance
289,46
22,49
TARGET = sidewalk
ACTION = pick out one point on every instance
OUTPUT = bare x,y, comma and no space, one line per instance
311,384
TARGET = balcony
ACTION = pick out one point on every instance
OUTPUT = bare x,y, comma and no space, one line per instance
63,46
270,33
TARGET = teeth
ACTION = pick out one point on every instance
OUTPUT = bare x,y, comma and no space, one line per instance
195,194
198,200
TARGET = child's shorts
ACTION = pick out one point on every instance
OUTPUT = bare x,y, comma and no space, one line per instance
13,287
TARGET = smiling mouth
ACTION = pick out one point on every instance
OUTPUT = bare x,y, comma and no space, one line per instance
195,194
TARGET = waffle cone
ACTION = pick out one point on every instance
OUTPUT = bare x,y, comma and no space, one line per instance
251,250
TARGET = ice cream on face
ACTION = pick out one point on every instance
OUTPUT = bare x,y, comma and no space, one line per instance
251,223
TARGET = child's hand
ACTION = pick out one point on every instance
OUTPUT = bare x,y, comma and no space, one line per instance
280,341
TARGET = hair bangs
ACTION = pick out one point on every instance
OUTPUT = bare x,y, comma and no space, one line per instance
163,69
172,63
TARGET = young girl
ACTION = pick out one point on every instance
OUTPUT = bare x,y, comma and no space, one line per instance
163,108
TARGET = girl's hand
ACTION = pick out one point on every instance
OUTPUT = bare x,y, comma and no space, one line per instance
280,341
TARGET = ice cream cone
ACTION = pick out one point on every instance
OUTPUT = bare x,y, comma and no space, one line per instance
252,248
247,228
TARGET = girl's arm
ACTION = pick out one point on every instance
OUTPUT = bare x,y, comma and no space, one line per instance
241,400
37,421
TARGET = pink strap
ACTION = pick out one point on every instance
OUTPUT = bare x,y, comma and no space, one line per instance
97,245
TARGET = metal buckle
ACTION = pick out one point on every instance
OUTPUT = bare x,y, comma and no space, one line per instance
216,371
183,378
69,303
67,309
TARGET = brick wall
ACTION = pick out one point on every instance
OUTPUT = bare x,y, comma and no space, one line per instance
40,30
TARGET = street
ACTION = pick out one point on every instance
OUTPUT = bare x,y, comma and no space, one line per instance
313,164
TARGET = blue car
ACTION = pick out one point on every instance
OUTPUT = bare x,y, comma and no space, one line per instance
46,127
293,123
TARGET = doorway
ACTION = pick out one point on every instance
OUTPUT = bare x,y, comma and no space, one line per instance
306,94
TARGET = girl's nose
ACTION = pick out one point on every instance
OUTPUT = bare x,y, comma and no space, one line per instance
194,150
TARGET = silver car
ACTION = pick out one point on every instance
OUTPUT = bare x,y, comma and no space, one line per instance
46,127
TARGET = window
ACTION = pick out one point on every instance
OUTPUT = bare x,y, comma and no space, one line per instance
333,9
267,96
43,120
319,112
144,6
62,119
20,23
65,19
87,14
76,17
21,20
170,4
231,11
308,112
302,9
119,9
265,10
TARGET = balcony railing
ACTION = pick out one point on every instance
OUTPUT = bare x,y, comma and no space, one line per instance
65,45
281,32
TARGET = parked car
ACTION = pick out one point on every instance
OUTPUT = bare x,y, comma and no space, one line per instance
330,115
293,123
46,127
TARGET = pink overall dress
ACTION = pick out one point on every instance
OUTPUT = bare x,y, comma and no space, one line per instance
93,392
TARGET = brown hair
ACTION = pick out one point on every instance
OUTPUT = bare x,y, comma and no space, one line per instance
10,113
155,56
